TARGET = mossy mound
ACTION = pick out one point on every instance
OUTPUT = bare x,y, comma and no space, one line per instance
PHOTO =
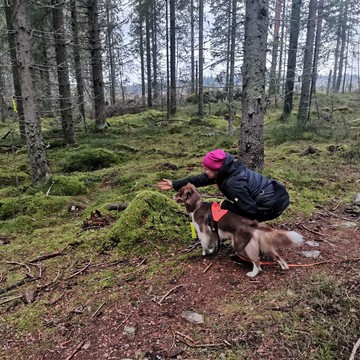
89,160
7,179
151,222
37,206
68,186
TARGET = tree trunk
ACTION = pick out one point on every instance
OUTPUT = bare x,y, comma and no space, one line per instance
40,172
228,45
251,145
343,26
96,66
317,47
167,62
67,120
337,48
172,58
328,83
3,107
280,82
201,58
303,112
110,51
291,62
275,47
142,56
9,11
155,83
148,55
192,45
77,61
232,68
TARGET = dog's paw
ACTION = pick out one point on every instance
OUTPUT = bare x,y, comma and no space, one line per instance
252,274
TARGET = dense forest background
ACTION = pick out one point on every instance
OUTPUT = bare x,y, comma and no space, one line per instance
78,60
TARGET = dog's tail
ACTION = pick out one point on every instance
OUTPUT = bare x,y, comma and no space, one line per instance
274,239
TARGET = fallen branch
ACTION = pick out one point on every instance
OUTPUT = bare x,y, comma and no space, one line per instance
117,328
98,309
185,336
47,256
312,231
340,217
78,348
19,283
355,348
10,299
78,272
20,264
168,293
207,268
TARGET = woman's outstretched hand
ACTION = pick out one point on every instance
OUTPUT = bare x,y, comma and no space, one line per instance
165,184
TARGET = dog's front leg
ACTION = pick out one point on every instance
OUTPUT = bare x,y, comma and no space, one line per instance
256,269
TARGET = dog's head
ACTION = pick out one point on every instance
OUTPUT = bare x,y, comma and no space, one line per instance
189,196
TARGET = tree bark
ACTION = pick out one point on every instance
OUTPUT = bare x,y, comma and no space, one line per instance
67,120
192,45
110,51
96,66
291,62
275,47
148,55
142,55
251,145
303,113
9,11
40,172
77,61
343,27
232,68
172,58
201,59
155,83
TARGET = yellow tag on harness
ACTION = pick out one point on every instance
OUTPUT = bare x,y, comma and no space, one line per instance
193,231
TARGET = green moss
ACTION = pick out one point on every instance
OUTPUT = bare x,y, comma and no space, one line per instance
89,160
151,221
22,224
37,205
68,186
13,179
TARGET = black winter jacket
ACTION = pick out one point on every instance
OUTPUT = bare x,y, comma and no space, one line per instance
248,193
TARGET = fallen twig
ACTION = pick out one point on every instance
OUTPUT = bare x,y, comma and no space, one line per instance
10,299
79,272
117,328
168,293
191,248
20,264
207,268
47,256
312,231
355,348
19,283
98,309
340,217
185,336
78,348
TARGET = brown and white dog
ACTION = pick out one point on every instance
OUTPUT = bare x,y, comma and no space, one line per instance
248,237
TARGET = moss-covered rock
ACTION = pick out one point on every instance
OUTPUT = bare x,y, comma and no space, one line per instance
89,160
151,221
22,224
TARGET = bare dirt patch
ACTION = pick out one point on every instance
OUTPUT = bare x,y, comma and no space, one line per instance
140,316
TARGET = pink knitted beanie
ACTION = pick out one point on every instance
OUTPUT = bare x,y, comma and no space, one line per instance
214,160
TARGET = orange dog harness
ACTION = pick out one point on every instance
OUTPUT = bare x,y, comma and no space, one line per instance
217,212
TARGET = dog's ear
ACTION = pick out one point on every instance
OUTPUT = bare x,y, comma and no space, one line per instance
188,193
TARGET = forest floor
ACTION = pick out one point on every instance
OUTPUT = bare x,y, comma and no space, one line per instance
141,314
